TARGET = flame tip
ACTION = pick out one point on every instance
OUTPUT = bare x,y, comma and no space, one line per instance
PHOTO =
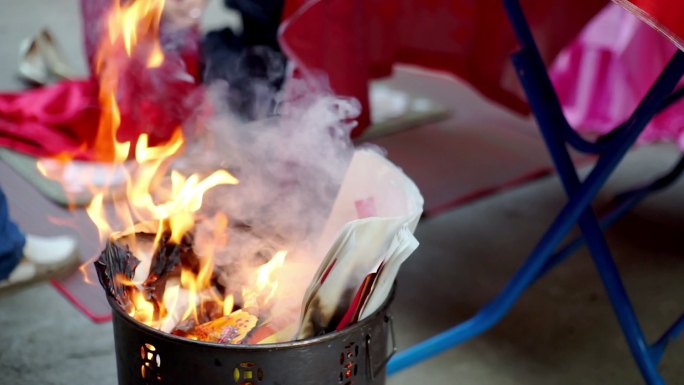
168,206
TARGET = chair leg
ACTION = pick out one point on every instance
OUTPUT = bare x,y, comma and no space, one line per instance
577,210
622,203
496,309
658,348
491,313
618,297
549,115
657,185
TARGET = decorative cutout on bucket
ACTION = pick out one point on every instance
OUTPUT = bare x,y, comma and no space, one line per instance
348,365
151,363
248,373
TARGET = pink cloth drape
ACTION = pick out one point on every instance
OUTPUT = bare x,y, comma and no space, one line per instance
603,75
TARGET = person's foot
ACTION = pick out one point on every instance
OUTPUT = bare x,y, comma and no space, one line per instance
44,257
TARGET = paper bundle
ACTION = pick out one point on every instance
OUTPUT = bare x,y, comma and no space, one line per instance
369,234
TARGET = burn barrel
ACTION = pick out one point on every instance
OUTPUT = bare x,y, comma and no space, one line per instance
356,355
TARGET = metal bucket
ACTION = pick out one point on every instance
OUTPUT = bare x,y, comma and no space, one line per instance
356,355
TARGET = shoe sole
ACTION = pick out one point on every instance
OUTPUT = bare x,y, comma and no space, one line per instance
54,273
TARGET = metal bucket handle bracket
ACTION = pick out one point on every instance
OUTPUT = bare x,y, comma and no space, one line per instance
372,370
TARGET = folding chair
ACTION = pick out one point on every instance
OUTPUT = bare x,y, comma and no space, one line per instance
610,150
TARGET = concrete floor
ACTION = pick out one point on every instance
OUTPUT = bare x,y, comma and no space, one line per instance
562,331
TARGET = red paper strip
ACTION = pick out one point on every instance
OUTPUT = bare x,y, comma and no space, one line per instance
352,314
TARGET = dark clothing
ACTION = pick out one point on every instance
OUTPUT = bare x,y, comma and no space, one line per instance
11,241
251,63
260,20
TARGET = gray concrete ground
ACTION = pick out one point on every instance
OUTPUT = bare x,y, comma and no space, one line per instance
562,330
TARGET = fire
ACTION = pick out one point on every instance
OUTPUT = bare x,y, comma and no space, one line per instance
183,296
264,275
133,26
188,298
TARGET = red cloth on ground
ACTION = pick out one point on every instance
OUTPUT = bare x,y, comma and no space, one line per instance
49,120
63,118
347,42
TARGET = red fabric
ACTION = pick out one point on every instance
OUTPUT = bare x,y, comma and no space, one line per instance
63,118
50,120
348,42
664,15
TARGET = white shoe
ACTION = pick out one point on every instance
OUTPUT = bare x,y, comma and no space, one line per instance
32,66
56,60
42,61
44,257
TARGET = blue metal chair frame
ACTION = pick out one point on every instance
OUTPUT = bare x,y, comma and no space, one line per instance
611,149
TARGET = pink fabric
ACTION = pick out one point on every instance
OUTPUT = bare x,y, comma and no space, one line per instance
607,70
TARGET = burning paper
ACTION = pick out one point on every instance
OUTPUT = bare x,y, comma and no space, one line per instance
374,216
230,329
181,293
158,262
197,251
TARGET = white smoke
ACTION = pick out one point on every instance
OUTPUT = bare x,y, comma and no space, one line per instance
290,169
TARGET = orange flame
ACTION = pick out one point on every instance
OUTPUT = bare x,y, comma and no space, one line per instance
133,34
184,299
264,279
135,28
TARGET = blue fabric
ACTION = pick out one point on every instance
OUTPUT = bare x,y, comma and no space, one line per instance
11,240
